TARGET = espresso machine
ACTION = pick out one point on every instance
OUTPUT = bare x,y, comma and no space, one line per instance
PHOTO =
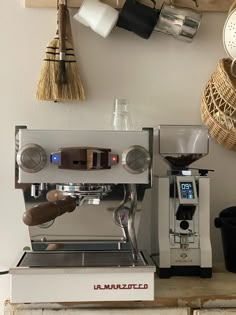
181,204
83,193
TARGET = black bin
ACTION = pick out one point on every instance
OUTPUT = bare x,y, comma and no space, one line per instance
227,223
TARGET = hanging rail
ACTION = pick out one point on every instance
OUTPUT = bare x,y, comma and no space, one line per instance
203,5
70,3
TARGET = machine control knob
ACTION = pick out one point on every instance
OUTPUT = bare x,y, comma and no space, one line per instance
184,225
31,158
136,159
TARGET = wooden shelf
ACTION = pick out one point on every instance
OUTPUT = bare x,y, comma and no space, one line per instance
204,5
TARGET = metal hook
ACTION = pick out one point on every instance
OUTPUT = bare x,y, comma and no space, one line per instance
196,3
62,2
154,3
172,2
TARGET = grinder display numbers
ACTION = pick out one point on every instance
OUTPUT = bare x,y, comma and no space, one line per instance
186,189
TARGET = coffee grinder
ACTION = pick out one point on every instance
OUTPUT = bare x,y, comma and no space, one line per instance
181,204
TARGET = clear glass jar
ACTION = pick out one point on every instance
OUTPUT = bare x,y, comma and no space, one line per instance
121,119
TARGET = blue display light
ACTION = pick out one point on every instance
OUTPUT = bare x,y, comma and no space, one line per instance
55,158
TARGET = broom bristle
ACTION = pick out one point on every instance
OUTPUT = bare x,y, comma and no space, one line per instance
48,88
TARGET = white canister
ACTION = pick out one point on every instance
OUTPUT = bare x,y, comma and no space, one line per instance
100,17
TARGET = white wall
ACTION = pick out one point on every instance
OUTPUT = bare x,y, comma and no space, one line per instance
164,78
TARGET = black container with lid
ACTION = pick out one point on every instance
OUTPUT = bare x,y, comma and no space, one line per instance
227,223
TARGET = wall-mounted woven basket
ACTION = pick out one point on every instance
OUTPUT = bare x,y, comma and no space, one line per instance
224,81
218,106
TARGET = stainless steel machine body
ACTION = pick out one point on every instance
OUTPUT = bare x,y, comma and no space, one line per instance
83,193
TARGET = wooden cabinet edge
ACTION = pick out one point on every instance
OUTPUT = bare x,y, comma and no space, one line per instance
70,3
204,5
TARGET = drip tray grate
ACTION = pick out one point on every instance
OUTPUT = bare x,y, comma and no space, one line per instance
79,259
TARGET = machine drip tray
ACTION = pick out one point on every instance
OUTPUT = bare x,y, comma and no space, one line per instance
80,259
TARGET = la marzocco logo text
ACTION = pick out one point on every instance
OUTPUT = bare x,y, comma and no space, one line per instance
130,286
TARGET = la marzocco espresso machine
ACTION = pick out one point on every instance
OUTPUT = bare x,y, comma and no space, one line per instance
182,204
83,193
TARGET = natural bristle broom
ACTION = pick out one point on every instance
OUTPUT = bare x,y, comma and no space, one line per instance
59,78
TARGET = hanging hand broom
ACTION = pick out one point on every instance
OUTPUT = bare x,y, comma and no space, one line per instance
59,78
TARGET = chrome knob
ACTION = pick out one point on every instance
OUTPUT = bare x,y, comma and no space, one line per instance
136,159
31,158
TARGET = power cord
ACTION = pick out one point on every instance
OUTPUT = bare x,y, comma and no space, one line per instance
4,272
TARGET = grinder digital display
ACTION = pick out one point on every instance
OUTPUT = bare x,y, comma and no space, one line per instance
186,190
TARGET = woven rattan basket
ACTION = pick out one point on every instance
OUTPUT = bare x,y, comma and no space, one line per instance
224,82
219,115
222,106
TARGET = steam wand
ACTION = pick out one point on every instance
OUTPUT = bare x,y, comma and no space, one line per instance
131,229
129,202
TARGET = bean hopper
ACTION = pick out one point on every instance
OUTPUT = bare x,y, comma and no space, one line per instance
83,193
182,204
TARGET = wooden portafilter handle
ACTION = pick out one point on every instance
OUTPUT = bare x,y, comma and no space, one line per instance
48,211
